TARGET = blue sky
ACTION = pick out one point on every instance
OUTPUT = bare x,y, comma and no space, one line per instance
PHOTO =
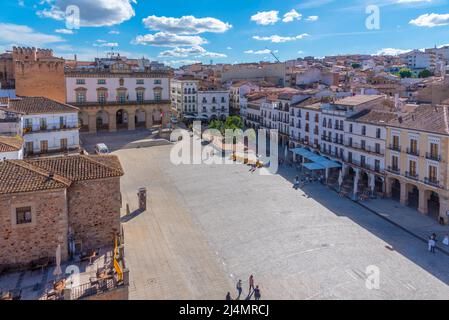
230,31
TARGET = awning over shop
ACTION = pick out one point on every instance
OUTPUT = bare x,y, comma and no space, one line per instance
313,166
323,162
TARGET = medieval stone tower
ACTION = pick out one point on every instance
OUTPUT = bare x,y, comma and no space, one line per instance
39,73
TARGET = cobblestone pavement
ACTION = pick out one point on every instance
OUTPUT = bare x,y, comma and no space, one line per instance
209,225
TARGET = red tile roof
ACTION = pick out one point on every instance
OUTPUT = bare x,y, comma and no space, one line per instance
38,105
10,144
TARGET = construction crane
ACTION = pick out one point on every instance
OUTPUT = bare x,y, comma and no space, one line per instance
272,53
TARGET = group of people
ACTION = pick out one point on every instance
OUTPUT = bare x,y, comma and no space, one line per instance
239,287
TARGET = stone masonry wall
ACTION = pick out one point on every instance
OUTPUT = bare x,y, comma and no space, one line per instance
21,244
94,211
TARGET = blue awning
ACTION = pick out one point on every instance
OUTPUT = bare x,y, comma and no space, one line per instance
313,166
320,160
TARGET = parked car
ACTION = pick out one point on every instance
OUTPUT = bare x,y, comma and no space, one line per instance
101,148
174,120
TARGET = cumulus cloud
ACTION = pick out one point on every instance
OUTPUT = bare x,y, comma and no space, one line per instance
64,31
265,51
431,20
167,39
102,43
266,18
312,18
391,52
114,32
196,51
186,25
292,15
24,35
96,13
280,39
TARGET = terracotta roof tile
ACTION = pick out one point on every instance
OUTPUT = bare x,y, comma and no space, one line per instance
10,144
16,176
426,118
79,168
38,105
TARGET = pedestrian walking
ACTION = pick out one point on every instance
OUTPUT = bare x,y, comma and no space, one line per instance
251,283
296,183
257,293
228,296
431,244
239,289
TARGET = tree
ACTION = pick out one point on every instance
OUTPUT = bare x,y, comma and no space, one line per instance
405,73
356,65
424,74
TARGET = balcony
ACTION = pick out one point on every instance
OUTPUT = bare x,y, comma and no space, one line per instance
394,170
340,128
412,175
49,128
326,138
433,182
433,157
412,152
394,147
338,141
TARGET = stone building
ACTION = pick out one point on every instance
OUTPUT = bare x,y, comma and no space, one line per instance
38,73
7,68
50,201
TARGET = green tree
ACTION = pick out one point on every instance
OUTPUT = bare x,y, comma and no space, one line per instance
424,74
405,73
356,65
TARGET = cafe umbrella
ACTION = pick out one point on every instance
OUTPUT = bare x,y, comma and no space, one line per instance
57,272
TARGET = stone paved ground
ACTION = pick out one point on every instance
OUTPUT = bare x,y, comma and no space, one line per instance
208,226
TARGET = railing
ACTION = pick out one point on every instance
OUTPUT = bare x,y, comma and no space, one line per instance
365,148
29,129
411,175
433,182
326,138
394,170
412,152
340,128
432,156
394,147
338,141
88,290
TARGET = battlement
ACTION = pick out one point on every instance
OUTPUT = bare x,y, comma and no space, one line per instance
31,54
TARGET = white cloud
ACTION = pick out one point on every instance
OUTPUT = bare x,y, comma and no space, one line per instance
431,20
291,16
167,39
229,48
181,62
312,18
391,52
265,51
280,39
266,18
24,35
106,44
95,13
114,32
64,31
412,1
21,3
196,51
186,25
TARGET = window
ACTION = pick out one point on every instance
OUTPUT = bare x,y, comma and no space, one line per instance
432,173
43,123
395,163
121,82
157,81
413,146
63,144
316,118
377,148
363,144
434,150
412,168
44,146
396,142
378,133
102,96
101,81
362,161
307,116
139,81
377,165
350,127
29,147
80,96
349,157
350,141
80,81
223,100
62,122
121,96
157,96
363,130
140,95
23,215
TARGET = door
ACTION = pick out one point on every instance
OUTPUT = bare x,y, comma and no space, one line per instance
64,144
44,146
